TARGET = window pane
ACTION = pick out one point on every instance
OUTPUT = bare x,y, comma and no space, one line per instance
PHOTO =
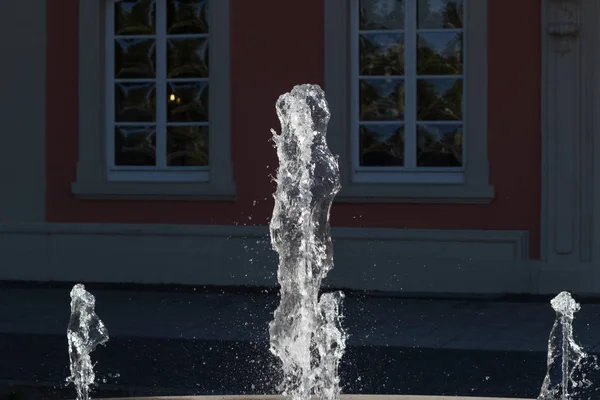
439,53
439,14
135,145
187,146
381,99
439,145
381,14
135,17
187,102
439,99
381,54
381,145
135,58
187,17
187,58
135,102
173,63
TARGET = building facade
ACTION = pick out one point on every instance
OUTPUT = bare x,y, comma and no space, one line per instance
466,132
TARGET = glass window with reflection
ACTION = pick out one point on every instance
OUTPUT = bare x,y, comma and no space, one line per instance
157,89
408,85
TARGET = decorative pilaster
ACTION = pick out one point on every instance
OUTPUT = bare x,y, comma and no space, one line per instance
561,130
590,132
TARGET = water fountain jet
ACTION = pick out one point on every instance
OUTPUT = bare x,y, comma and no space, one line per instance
565,357
84,333
306,331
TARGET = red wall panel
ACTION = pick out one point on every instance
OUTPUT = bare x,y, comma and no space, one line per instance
274,45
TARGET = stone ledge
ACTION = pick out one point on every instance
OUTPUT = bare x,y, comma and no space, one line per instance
406,260
343,397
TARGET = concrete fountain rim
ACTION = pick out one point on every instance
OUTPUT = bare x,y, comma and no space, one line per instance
342,397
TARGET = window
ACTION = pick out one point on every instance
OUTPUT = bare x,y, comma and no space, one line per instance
409,106
160,78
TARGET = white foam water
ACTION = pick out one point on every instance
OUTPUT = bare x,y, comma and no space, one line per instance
565,376
84,333
306,332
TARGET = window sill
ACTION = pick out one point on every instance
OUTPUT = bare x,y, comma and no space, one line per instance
416,193
196,191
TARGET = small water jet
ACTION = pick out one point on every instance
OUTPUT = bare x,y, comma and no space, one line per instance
85,332
564,377
306,332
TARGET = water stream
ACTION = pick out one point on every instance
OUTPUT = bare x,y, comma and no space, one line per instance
84,333
565,377
306,332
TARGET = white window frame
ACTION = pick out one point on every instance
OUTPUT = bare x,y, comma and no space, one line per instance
409,173
468,184
159,172
96,178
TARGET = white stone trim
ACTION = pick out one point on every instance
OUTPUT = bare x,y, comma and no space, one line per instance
403,260
569,124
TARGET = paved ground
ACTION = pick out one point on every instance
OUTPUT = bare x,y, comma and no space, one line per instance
216,343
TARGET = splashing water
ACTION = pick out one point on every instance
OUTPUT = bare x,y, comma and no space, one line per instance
564,375
306,333
85,332
330,343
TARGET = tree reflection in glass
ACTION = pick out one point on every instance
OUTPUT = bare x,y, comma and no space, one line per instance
381,145
439,99
187,146
381,99
440,14
439,145
135,17
187,58
135,58
381,54
187,17
135,145
439,53
381,14
187,102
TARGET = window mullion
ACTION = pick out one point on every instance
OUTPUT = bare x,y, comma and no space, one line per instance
354,86
161,84
109,87
410,83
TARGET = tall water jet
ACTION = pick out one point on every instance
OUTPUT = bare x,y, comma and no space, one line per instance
84,333
306,333
564,375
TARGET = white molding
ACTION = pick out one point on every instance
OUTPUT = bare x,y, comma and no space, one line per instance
447,261
563,137
589,32
518,238
416,193
579,278
153,191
